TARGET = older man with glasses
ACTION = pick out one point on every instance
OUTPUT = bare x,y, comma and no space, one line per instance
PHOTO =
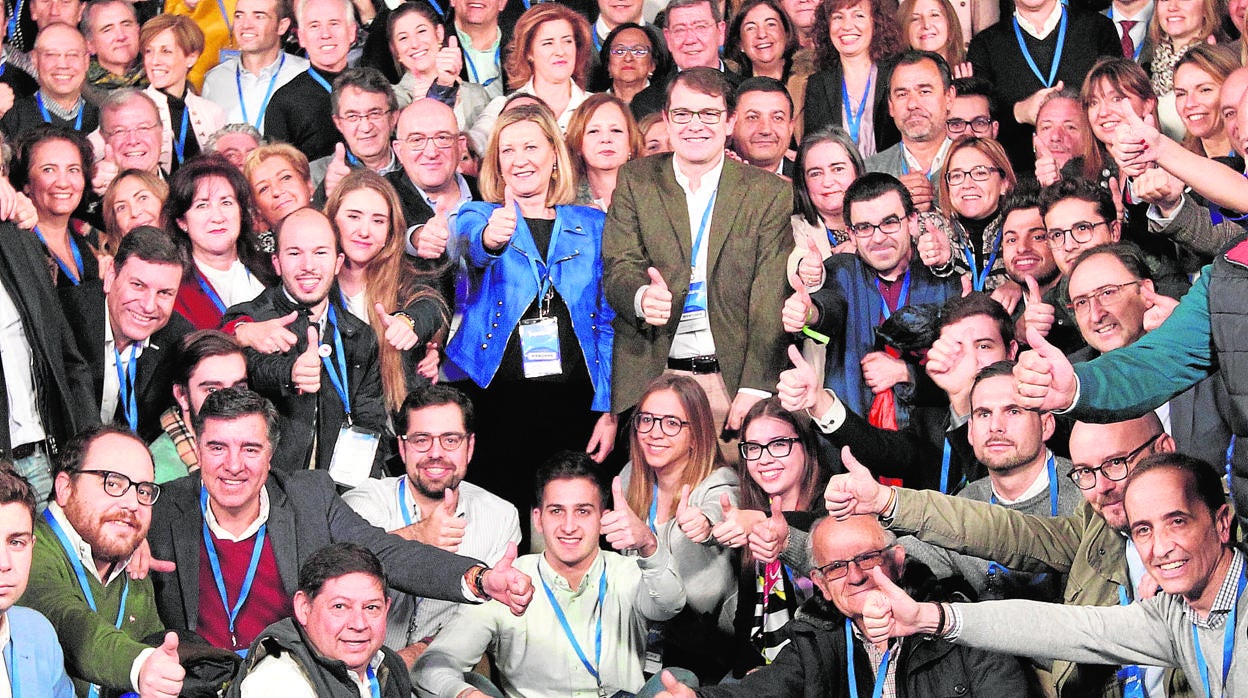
100,515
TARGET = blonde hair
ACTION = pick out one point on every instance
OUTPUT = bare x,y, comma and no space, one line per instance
389,279
516,61
112,236
1209,25
562,179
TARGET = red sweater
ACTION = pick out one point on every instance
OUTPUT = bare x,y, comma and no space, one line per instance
267,603
196,306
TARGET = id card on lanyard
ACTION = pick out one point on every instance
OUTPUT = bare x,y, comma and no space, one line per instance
693,317
539,336
1228,640
356,447
1130,677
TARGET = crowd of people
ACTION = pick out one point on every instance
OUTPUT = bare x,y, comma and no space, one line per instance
383,348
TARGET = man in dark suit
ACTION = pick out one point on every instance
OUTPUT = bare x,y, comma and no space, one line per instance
127,327
694,252
235,504
42,371
694,31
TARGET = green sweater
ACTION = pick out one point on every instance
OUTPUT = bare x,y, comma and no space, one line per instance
95,650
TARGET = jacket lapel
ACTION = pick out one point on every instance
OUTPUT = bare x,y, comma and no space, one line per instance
187,530
673,199
727,204
282,536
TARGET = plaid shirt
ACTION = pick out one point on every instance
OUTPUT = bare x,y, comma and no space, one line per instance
1224,602
877,656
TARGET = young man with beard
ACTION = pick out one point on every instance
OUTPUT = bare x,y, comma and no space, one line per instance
1025,250
101,512
432,504
330,379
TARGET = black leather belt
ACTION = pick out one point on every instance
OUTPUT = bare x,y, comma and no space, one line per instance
25,450
696,364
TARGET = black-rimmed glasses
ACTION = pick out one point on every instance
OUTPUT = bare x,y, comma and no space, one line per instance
117,485
1112,469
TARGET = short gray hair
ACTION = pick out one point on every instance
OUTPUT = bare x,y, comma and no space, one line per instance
227,129
347,6
116,99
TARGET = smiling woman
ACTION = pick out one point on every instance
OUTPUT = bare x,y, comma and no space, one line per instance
170,45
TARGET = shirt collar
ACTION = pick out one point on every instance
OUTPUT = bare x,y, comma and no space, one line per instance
465,194
711,175
1226,598
1040,484
1044,29
110,343
219,532
937,162
1143,16
556,580
82,548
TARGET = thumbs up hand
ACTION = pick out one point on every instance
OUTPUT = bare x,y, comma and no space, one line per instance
1043,378
430,239
623,528
656,301
502,224
1038,316
508,585
933,245
1158,307
734,530
106,170
693,523
810,269
673,688
770,538
888,611
799,389
449,61
443,527
798,311
306,373
338,168
161,673
400,332
854,492
1047,169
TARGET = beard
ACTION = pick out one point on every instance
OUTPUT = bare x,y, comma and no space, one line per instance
435,488
106,547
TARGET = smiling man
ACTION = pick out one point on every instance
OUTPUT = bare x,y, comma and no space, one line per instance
339,621
101,512
111,28
433,504
242,85
365,111
60,59
131,130
330,379
694,32
764,125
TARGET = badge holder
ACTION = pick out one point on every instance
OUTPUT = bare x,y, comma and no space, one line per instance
354,452
539,342
693,317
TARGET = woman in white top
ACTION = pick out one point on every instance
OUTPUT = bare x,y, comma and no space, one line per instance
548,57
170,45
209,211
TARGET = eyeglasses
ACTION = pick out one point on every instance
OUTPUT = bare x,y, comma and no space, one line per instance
354,117
450,441
888,226
1081,232
979,173
57,56
117,485
699,28
1113,469
839,568
637,51
671,425
979,125
706,116
135,130
1108,296
778,448
417,142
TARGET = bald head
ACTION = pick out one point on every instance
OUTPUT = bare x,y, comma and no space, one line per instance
422,123
60,59
1229,99
308,256
1101,447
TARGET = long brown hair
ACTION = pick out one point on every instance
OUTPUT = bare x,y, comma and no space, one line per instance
886,36
954,52
1217,62
703,452
388,279
516,55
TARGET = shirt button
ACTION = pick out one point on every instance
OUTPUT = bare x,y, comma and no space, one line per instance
485,346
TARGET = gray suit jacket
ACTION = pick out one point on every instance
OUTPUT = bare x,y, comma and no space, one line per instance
748,242
305,515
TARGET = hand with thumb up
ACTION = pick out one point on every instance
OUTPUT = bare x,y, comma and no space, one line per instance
623,528
306,373
106,170
338,168
799,310
889,612
799,387
1043,378
443,527
810,269
161,674
400,332
734,530
656,301
854,492
449,61
673,688
502,224
693,523
770,538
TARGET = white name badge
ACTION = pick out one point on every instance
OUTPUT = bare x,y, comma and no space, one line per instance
353,455
228,53
539,347
693,317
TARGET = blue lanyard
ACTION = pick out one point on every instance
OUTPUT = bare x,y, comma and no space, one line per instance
81,574
215,562
979,277
854,119
179,145
1057,54
73,247
210,292
47,118
374,687
338,375
544,281
225,17
407,515
472,69
706,217
320,80
945,457
880,676
1052,468
567,629
1228,639
1129,676
901,298
352,160
125,388
17,12
268,94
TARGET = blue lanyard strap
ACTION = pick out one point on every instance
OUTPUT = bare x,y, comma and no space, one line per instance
706,217
338,375
979,277
268,94
1057,53
567,629
125,388
946,455
407,515
47,118
1228,639
17,12
1051,466
654,510
320,80
901,297
374,686
81,573
880,676
472,69
544,281
75,278
215,562
853,119
179,145
210,292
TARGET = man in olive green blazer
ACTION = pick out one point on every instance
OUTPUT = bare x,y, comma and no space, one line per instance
733,328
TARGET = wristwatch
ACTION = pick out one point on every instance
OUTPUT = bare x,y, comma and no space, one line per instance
475,579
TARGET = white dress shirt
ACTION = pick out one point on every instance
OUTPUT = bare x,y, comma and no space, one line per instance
112,384
223,84
25,425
